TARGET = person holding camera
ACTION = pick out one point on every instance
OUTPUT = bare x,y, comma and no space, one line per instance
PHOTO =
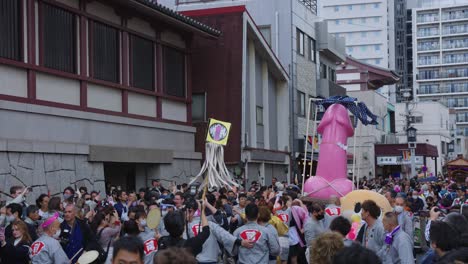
76,235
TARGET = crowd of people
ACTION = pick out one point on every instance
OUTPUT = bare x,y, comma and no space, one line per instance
261,224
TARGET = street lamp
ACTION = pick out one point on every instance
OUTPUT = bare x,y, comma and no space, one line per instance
411,134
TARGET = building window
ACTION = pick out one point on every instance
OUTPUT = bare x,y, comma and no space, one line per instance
376,19
418,119
259,115
59,39
323,71
376,5
377,33
363,48
363,20
312,50
350,21
198,107
377,61
377,47
337,22
337,8
350,7
174,72
10,29
266,33
300,42
142,63
350,49
363,7
363,34
105,53
301,104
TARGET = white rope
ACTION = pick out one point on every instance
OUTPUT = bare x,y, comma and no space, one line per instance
214,168
360,155
330,184
354,157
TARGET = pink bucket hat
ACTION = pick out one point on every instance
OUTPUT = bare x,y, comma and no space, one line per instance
50,220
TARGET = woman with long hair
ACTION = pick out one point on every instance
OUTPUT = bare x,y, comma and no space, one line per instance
107,228
16,251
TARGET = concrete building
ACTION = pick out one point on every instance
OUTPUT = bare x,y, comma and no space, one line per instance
440,58
95,93
366,25
432,121
301,45
238,79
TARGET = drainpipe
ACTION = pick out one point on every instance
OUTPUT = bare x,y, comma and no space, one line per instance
291,99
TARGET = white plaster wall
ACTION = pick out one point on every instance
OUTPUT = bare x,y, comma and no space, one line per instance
13,81
140,104
351,87
57,89
102,11
141,26
72,3
348,76
174,110
102,97
173,38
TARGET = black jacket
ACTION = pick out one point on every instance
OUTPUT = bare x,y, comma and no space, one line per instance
31,230
18,254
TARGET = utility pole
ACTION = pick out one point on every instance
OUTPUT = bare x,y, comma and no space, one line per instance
410,133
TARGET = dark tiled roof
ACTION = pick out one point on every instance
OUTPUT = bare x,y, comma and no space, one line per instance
192,22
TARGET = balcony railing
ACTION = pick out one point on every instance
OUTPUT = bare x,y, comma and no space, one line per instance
428,33
310,4
430,75
457,59
455,15
460,29
428,46
458,44
433,61
428,18
436,89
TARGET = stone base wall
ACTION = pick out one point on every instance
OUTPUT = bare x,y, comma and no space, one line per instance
49,173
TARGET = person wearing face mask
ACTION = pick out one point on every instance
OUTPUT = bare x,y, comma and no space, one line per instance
416,203
404,219
398,246
68,196
372,234
148,236
16,250
47,249
313,227
13,213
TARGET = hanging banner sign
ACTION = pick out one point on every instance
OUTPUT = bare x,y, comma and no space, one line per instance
218,132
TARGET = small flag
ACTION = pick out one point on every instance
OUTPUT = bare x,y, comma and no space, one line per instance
406,155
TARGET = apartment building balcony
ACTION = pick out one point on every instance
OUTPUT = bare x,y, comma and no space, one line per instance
455,30
327,88
436,89
331,46
455,15
442,74
457,44
428,34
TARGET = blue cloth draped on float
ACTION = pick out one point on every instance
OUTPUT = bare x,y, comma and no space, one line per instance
359,109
